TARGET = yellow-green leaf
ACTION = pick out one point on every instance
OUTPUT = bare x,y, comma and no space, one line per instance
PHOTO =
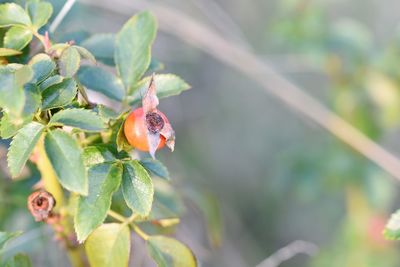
109,245
13,14
17,38
169,252
6,52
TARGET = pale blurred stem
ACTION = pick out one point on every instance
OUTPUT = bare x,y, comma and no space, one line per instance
76,257
51,184
130,221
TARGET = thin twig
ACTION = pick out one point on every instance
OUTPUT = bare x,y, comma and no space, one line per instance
198,35
221,20
116,216
288,252
61,15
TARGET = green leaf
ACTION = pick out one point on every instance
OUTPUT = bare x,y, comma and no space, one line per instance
6,52
122,142
102,47
69,62
32,100
155,167
17,38
40,13
97,154
137,188
66,158
166,85
7,236
59,95
42,66
22,146
52,80
83,119
169,252
109,245
392,229
12,79
106,113
85,53
104,180
13,14
167,202
19,260
102,81
11,123
10,126
133,48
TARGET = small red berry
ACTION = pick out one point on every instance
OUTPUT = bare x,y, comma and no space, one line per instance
137,125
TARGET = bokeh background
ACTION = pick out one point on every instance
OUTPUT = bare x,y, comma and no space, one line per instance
264,175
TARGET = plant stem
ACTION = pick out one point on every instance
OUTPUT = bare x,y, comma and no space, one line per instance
75,257
116,216
41,39
139,231
129,221
51,184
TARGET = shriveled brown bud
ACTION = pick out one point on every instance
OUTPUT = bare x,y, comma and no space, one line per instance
154,122
41,204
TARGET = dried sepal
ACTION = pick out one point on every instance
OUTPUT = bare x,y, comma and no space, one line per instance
150,100
41,204
157,124
153,139
169,135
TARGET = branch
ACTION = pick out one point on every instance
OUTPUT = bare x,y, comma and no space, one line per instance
198,35
61,15
288,252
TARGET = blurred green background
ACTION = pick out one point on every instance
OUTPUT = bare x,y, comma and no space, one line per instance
275,176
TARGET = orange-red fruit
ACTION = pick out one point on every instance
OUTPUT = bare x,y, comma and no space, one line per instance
135,130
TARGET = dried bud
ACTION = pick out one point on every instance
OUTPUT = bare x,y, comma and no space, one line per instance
154,122
40,204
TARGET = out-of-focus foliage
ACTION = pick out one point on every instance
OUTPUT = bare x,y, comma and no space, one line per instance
365,91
